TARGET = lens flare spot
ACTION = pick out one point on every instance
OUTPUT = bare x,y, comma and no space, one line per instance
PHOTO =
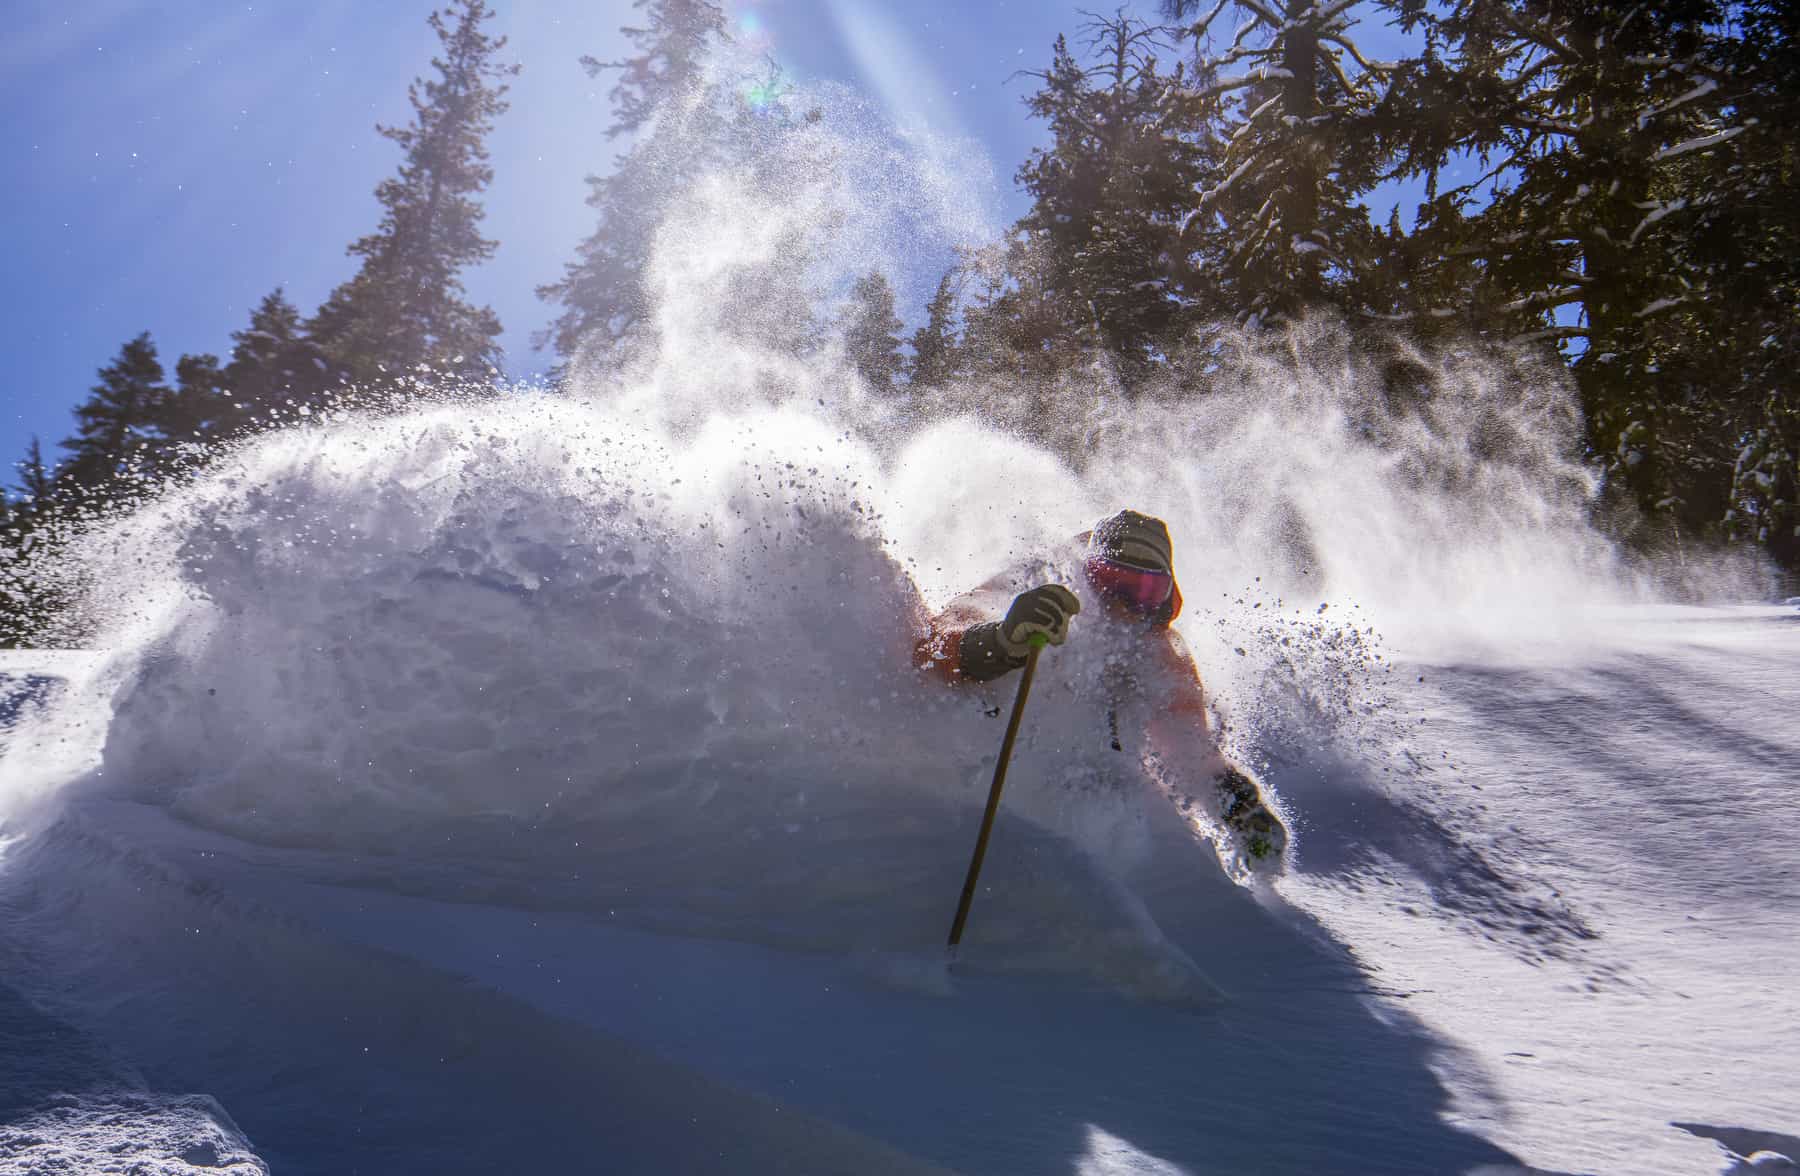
762,95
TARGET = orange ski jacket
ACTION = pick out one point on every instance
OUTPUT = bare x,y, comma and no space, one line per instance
961,642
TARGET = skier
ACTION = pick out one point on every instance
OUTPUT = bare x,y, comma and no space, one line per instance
1128,570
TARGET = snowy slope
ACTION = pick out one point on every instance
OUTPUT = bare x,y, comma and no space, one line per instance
594,818
1586,883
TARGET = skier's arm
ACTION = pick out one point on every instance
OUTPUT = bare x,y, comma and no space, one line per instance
964,643
1194,766
941,650
1179,731
1187,698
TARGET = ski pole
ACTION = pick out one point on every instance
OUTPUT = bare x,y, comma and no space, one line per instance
1038,641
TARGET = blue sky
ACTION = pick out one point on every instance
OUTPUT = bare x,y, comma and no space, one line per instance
170,163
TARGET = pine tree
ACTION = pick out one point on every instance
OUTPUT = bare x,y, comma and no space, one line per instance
31,528
117,427
936,353
275,367
1765,479
37,481
406,305
1021,323
1130,146
602,292
1749,233
192,413
1284,220
672,46
1605,134
872,332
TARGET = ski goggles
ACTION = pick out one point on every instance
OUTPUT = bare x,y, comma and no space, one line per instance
1140,590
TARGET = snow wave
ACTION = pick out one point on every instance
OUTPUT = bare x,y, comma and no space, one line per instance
526,652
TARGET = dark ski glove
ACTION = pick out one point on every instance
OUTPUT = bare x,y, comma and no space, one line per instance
992,648
1045,610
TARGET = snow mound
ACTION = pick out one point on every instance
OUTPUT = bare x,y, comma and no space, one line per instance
536,656
129,1133
69,1104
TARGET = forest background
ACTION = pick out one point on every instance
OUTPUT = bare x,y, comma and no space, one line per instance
1606,188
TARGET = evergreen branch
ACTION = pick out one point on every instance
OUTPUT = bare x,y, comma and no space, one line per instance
1460,194
1238,53
1662,304
1239,82
1528,73
1410,316
1657,212
1624,21
1700,144
1198,28
1223,186
1320,20
1251,118
1243,34
1351,90
1706,87
1557,332
1263,14
1548,127
1545,299
1537,37
1374,67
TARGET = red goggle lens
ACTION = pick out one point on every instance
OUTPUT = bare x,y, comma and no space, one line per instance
1137,589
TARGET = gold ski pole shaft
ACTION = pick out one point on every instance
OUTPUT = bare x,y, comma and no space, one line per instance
1038,641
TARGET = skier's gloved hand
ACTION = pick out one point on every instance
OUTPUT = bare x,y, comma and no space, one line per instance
993,648
1045,609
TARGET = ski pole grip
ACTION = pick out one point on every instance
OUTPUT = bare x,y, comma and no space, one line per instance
1038,640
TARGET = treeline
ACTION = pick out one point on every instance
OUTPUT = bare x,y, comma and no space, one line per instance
1612,184
1625,199
404,311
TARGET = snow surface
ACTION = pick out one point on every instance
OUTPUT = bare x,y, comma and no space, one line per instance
68,1106
529,821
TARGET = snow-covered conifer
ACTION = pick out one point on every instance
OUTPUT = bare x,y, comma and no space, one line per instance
117,429
936,351
872,332
1285,207
406,304
602,292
